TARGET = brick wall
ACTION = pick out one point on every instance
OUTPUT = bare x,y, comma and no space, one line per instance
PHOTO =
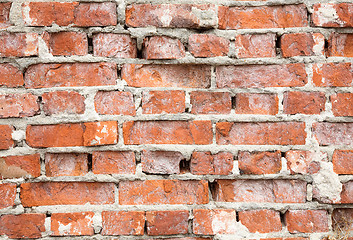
179,119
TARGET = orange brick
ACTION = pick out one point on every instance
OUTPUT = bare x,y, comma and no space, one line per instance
27,225
307,221
207,45
159,102
18,105
260,162
72,224
262,221
342,161
113,163
10,76
63,102
256,103
255,45
6,141
8,195
66,43
214,164
303,102
161,47
332,74
303,162
347,192
302,44
340,17
123,223
114,45
167,222
340,45
161,162
18,44
214,221
210,102
66,164
20,166
115,103
329,133
342,104
5,14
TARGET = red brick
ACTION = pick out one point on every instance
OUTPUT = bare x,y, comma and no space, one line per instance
274,191
115,103
10,76
207,45
328,133
66,13
210,102
302,44
332,74
5,14
214,164
167,222
342,104
66,43
185,76
303,162
18,105
70,75
161,47
63,102
66,164
161,162
18,44
261,133
27,225
66,193
114,45
214,221
6,141
307,221
152,192
339,14
342,218
291,238
340,45
72,224
303,102
259,76
113,163
159,102
167,132
7,195
255,45
256,103
171,15
260,162
262,221
347,192
123,223
72,134
262,17
20,166
342,161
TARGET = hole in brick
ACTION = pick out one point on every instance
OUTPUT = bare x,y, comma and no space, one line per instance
326,44
139,53
89,162
47,214
184,166
40,99
237,216
213,189
283,154
234,102
90,45
187,110
137,157
145,228
283,219
278,42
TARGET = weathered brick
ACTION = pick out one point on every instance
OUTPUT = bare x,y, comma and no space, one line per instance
303,162
307,221
161,162
18,105
66,13
255,45
259,76
66,43
70,75
72,224
72,134
66,164
261,133
27,225
167,222
340,45
161,47
256,103
342,218
160,102
18,44
10,76
332,74
207,45
214,221
262,221
114,45
262,17
342,161
123,223
302,44
210,102
274,191
339,14
260,162
186,76
66,193
342,104
171,15
214,164
347,192
5,14
6,141
303,102
113,163
63,102
167,132
7,195
20,166
115,103
152,192
328,133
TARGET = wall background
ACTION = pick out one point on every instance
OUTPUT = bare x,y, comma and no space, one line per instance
176,119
